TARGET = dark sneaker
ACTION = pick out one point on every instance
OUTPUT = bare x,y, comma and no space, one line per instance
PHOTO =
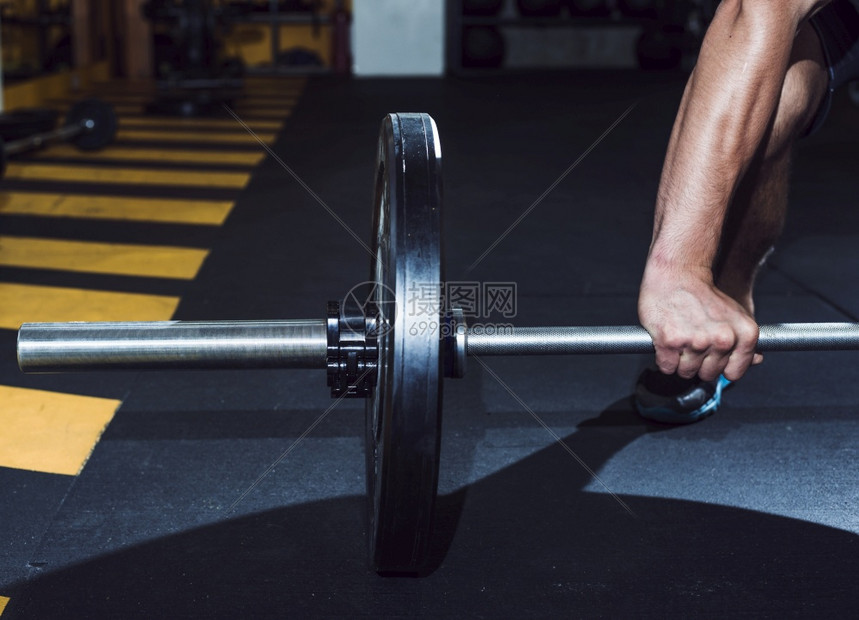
673,400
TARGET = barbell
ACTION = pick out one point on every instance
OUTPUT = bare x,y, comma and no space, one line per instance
372,347
89,124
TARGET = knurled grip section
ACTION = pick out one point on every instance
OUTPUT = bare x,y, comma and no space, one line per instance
809,337
634,339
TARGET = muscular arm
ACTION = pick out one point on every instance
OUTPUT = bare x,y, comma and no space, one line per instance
728,104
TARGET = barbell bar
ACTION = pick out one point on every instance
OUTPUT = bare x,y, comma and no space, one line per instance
302,343
90,125
387,357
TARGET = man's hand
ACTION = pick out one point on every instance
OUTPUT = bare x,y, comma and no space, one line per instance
696,328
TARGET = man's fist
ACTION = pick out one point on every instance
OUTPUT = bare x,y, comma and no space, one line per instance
696,328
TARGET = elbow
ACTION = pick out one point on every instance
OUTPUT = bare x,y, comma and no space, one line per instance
772,12
764,30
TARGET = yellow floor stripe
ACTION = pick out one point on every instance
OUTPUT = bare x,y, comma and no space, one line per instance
166,155
211,213
252,83
289,97
282,102
85,174
286,98
275,88
133,109
192,123
278,80
25,303
154,261
50,432
271,109
3,602
194,136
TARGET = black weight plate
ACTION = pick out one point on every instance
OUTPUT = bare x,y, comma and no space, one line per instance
23,123
539,8
233,67
404,413
482,7
657,49
103,127
482,46
639,8
589,8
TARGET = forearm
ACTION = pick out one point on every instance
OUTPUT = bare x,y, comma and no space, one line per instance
724,115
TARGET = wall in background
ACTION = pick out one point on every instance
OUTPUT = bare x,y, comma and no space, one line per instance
288,39
392,37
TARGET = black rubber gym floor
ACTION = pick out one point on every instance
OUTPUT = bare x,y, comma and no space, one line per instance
204,498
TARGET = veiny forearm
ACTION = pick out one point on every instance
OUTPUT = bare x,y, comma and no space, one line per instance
728,104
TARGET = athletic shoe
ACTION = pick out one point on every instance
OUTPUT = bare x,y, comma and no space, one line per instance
673,400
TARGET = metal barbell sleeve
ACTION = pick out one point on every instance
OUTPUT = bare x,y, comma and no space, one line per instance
58,347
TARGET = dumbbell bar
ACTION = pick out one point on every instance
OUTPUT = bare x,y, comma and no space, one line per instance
90,125
300,343
390,358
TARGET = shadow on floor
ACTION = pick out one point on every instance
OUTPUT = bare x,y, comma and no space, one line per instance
524,542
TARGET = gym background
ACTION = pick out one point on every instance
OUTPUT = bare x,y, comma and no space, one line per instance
211,160
139,39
